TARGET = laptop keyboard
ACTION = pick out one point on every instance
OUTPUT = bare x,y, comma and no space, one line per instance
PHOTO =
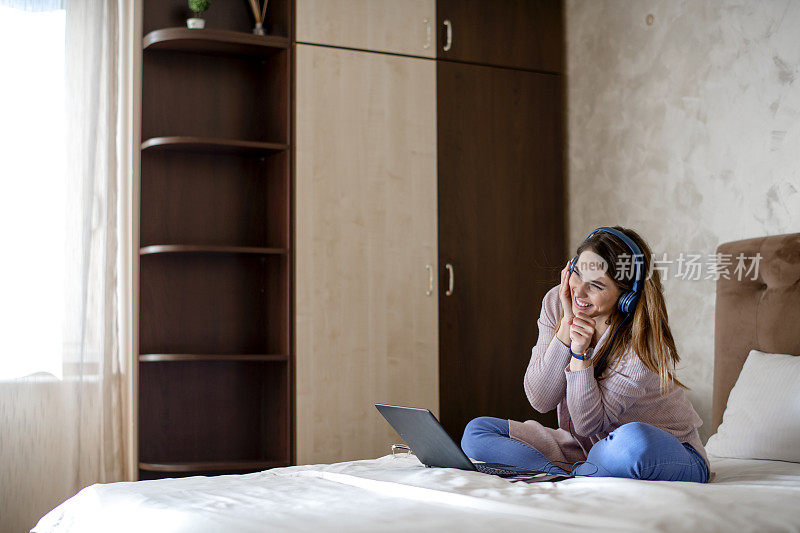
496,469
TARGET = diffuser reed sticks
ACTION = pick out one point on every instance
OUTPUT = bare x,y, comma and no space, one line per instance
259,12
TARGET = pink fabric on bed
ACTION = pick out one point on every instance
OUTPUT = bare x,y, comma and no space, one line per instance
589,410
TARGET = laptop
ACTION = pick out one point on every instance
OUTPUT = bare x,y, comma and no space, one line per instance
426,437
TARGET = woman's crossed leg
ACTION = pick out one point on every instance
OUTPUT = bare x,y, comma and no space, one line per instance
486,438
635,450
642,451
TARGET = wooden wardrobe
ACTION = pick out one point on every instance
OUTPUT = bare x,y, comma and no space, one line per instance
429,211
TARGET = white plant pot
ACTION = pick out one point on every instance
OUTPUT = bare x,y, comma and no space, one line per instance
196,23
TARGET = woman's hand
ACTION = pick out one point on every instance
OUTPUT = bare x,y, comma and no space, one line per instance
581,332
565,293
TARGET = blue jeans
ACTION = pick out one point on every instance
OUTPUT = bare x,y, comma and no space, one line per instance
635,450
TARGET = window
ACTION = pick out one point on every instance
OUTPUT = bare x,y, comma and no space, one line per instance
32,188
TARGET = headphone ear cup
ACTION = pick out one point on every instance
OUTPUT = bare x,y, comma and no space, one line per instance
627,302
572,264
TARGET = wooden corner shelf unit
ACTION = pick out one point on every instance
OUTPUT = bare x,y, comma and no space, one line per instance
215,387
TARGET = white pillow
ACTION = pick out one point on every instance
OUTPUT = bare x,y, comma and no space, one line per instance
762,418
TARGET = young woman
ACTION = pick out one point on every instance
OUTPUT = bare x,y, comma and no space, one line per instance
605,360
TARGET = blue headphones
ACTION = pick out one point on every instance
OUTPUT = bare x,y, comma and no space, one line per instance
627,300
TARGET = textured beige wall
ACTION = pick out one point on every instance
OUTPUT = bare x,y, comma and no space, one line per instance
687,130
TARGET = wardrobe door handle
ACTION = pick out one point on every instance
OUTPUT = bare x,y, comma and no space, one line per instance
430,280
449,42
449,268
427,44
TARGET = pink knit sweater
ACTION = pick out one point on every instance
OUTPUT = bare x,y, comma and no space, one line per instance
594,408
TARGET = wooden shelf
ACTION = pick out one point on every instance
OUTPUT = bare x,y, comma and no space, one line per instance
213,303
212,466
217,42
215,357
210,144
166,357
192,248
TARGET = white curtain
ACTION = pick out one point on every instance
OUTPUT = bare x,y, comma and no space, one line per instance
60,433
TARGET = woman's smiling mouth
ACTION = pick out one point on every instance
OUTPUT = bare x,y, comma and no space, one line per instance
581,304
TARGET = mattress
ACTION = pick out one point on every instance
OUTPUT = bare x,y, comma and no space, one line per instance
397,493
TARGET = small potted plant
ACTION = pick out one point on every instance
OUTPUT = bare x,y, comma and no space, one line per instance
198,7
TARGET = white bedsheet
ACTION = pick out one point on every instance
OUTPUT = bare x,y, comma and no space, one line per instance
399,494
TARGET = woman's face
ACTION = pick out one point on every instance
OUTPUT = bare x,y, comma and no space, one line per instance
593,291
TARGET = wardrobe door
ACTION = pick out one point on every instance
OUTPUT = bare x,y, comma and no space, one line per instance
522,34
501,213
402,27
365,231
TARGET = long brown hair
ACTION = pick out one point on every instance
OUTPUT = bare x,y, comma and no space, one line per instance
648,333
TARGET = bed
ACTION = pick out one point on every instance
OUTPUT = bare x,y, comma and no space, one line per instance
396,493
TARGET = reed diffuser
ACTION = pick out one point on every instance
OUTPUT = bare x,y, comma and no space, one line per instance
259,13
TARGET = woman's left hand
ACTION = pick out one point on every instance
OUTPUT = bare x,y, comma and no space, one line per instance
581,332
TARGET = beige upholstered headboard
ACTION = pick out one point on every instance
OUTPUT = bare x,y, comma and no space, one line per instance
761,314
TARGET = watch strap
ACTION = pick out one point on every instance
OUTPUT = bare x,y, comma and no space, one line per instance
582,357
